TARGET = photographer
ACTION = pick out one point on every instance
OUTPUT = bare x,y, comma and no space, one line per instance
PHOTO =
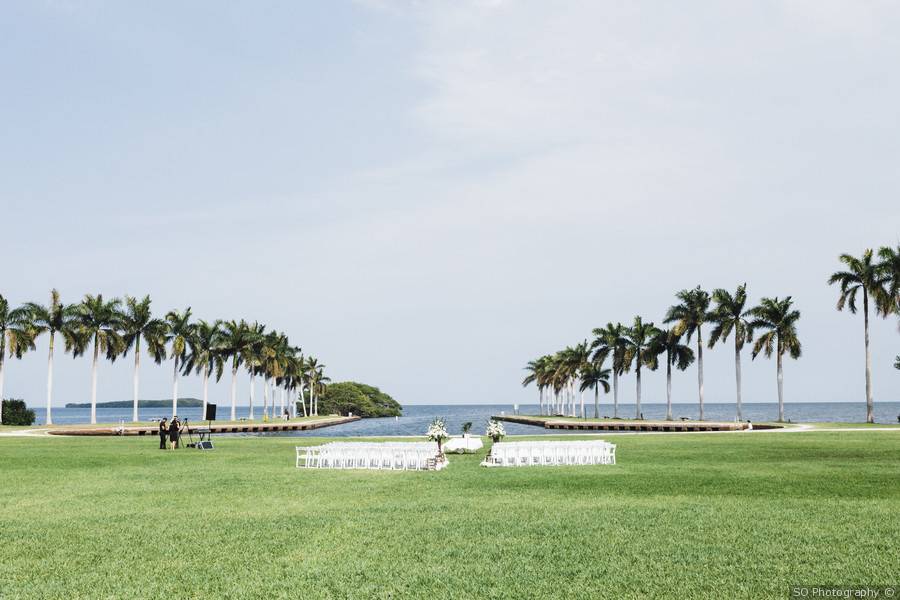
163,433
174,431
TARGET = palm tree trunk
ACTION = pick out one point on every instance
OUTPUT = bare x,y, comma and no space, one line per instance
265,396
302,398
597,400
870,403
234,392
780,386
615,394
668,388
252,386
137,368
175,387
582,404
540,401
700,369
50,380
94,383
637,410
737,376
281,395
205,388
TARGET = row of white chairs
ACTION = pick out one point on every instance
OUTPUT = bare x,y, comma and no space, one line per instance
416,456
551,453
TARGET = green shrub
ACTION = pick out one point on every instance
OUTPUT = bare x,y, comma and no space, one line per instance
16,413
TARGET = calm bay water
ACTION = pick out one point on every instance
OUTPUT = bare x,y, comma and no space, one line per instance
415,418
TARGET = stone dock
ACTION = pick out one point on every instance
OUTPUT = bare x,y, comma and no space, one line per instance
624,425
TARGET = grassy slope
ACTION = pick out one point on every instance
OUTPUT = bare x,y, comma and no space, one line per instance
680,516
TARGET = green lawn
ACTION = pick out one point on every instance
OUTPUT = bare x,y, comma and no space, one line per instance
725,515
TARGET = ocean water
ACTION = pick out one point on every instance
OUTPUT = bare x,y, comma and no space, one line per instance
416,418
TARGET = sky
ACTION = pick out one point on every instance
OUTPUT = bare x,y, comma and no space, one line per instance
426,195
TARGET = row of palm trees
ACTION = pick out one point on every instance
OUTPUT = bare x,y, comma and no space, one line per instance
560,376
115,328
873,276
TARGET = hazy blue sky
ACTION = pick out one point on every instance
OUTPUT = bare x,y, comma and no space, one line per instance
427,195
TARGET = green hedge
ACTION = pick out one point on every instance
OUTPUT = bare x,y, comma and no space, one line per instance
16,413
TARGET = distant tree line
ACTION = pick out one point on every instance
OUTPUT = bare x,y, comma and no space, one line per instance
770,328
113,328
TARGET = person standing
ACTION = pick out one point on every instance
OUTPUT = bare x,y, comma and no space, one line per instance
163,433
173,431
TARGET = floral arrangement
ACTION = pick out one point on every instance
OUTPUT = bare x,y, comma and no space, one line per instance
437,432
495,430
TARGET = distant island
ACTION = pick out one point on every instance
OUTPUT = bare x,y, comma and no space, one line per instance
358,398
191,402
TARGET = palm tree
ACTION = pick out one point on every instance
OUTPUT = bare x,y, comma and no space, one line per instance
680,355
897,362
15,331
252,356
729,315
594,376
206,354
98,324
581,356
689,317
137,323
866,275
638,338
233,344
178,333
53,318
778,318
292,358
316,381
610,341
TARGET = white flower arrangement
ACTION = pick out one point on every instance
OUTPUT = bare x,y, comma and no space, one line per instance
495,430
437,431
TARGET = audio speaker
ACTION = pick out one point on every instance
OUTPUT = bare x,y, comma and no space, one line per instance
210,412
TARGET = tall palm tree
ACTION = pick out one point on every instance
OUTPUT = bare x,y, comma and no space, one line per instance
581,356
316,382
137,323
252,357
594,376
289,380
16,334
667,342
866,275
178,333
730,316
99,322
638,338
689,316
54,318
609,341
234,341
778,319
206,354
272,365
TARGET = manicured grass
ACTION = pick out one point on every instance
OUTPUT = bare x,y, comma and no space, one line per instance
722,515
